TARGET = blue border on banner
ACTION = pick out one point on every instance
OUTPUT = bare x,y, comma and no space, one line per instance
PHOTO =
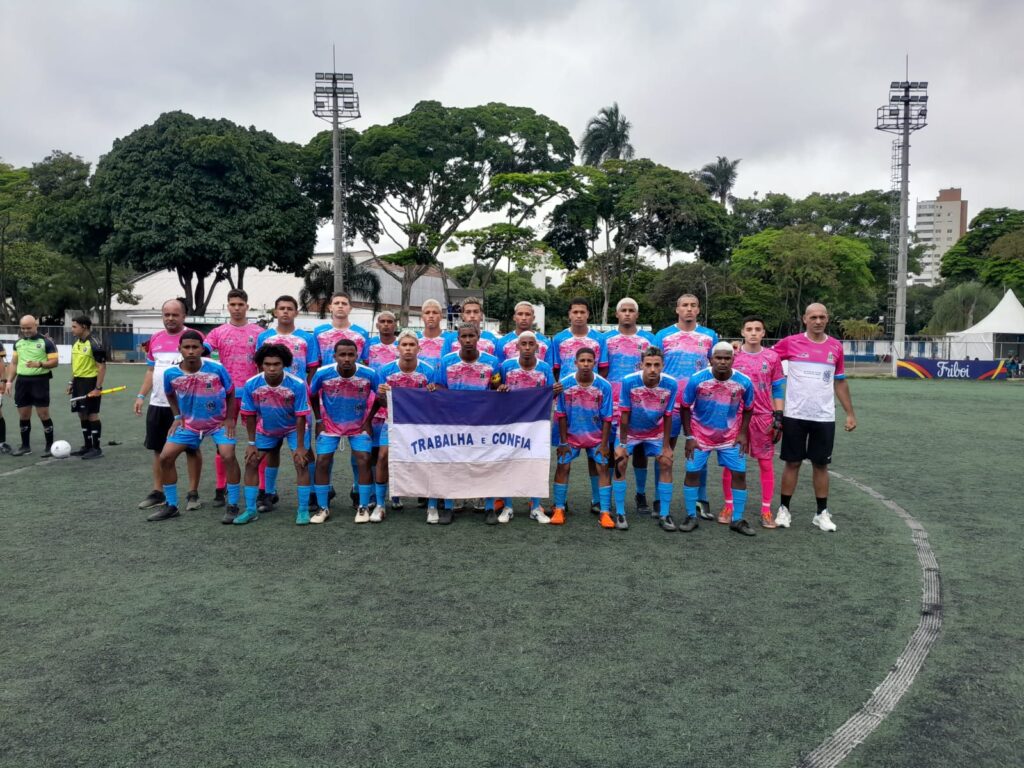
469,407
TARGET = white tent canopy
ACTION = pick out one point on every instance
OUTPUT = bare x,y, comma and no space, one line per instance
1003,327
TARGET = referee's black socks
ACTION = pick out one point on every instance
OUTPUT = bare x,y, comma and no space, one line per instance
47,432
25,426
86,434
95,433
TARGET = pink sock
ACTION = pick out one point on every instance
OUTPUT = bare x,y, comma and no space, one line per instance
218,468
767,467
263,474
727,488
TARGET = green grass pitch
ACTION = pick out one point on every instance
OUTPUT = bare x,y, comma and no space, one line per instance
189,643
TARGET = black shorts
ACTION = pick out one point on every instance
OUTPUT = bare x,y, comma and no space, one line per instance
32,390
79,388
802,439
158,423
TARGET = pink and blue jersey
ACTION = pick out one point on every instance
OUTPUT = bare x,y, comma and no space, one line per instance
344,402
456,373
625,356
432,350
686,352
487,343
327,336
585,407
813,368
275,408
764,369
235,346
302,345
161,354
564,347
507,349
716,407
379,354
648,407
393,375
202,396
517,377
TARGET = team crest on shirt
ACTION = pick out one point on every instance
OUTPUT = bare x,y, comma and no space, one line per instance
827,376
764,366
831,357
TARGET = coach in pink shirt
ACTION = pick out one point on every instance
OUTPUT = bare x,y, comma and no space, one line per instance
814,379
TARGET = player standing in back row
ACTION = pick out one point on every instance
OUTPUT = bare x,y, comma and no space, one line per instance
816,377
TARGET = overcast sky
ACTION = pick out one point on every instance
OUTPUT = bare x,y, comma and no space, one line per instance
790,87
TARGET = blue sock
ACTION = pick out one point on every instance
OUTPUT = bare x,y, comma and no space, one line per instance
664,499
702,493
739,502
604,494
171,494
619,490
435,503
534,502
271,477
508,502
489,505
382,493
595,495
561,492
304,492
323,493
233,491
690,494
641,480
449,504
365,493
251,492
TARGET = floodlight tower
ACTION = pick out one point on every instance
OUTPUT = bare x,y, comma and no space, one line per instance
906,111
335,100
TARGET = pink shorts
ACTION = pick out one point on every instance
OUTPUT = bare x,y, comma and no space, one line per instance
761,446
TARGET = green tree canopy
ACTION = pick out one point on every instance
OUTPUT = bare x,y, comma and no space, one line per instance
960,307
966,259
1004,262
719,177
606,137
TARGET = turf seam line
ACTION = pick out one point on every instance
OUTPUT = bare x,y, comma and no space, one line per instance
883,700
27,466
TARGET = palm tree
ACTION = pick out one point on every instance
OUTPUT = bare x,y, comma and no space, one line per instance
318,285
960,307
606,137
719,177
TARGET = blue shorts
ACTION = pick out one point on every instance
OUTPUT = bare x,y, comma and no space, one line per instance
651,447
327,444
592,453
380,434
730,458
268,443
191,439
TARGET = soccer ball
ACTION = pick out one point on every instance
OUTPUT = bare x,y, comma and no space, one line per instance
60,449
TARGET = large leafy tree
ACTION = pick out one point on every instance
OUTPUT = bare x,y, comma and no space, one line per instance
965,261
719,177
960,307
606,137
429,171
207,199
1004,263
14,224
318,285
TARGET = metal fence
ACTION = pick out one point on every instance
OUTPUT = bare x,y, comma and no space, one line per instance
123,345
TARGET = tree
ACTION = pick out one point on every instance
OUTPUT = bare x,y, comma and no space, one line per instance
491,245
719,177
429,171
204,197
606,137
14,223
504,291
965,260
1004,263
961,307
318,285
862,330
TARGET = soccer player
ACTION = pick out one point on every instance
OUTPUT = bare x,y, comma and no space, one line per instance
88,370
646,402
562,359
407,372
584,413
763,367
235,345
5,448
342,395
816,377
433,338
28,379
275,406
380,351
527,371
473,313
523,318
687,349
717,405
469,368
199,394
626,346
162,352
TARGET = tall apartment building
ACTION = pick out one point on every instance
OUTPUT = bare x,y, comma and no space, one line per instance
940,223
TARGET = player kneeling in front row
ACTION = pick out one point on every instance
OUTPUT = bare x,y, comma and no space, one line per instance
584,412
275,407
407,372
200,394
717,406
342,395
646,402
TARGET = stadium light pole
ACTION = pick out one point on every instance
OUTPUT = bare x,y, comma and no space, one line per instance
907,111
336,101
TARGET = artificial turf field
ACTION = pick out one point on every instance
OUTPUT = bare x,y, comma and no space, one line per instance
189,643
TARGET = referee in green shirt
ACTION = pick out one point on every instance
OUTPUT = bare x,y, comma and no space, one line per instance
28,378
88,369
